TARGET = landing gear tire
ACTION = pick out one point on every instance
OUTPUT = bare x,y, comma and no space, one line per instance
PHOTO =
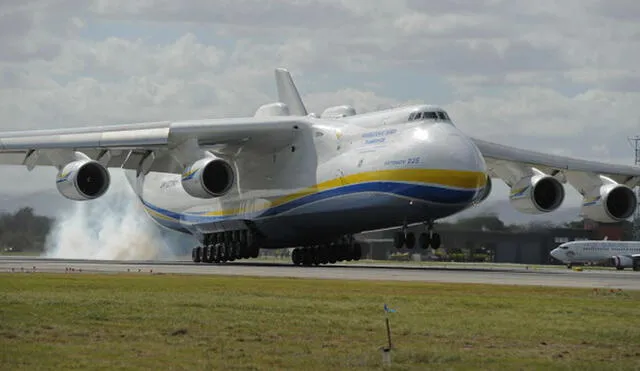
357,251
343,250
410,240
255,251
195,254
424,241
435,241
216,253
398,240
206,254
295,257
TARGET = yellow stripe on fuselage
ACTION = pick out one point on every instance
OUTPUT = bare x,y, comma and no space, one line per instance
158,215
437,177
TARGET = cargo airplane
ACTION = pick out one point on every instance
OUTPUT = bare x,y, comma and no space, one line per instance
620,254
288,178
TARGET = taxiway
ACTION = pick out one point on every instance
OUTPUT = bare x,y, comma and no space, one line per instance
560,277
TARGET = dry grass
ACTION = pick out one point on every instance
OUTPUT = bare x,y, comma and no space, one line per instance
82,321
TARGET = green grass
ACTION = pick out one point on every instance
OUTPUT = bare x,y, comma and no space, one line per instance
165,322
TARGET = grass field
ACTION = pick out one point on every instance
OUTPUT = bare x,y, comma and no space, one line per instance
83,321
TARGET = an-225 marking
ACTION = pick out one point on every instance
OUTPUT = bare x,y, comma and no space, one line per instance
409,161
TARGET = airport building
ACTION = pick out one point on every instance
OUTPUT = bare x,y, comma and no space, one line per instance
531,247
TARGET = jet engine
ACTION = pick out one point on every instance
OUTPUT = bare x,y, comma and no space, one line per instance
537,194
610,203
622,262
338,112
83,180
208,177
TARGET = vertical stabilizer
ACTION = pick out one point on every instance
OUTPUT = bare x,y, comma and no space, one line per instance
288,93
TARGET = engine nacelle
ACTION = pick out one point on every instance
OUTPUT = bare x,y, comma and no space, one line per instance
622,261
208,177
610,203
338,112
537,194
83,180
272,109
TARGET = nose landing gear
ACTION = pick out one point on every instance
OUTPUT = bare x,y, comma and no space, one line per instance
426,239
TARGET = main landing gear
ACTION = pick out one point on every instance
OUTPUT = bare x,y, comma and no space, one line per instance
344,249
426,239
226,246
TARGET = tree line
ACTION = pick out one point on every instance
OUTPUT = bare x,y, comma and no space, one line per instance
491,222
25,231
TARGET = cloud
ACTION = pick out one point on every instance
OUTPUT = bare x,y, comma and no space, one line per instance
544,75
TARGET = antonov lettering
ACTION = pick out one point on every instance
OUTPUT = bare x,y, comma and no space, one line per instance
379,133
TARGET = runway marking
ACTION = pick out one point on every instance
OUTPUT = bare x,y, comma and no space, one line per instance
627,280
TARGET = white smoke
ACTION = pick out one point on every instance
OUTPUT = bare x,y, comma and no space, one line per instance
113,227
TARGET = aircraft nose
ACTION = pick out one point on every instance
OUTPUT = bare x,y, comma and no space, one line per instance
462,152
556,253
445,147
450,146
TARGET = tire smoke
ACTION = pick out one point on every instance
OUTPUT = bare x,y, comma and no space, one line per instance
113,227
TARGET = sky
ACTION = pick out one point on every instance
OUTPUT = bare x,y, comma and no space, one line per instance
558,77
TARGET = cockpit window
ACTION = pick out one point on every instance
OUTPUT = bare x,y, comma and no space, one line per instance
429,115
564,247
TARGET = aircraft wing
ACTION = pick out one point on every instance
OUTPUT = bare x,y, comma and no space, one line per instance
509,163
128,145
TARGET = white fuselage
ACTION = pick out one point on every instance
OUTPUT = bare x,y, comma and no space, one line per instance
352,174
594,251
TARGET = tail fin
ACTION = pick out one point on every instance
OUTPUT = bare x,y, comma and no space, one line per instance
288,93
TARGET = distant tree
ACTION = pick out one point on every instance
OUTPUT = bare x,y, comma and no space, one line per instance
490,222
24,230
541,225
576,224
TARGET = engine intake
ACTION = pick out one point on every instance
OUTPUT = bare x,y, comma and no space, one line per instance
610,203
83,180
208,177
537,194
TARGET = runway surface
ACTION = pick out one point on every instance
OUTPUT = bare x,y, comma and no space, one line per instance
561,277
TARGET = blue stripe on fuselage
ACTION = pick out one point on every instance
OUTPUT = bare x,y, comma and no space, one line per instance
427,193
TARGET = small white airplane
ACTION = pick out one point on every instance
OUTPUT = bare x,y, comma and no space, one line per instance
289,178
622,254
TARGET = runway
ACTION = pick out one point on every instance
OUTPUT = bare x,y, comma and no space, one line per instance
560,277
